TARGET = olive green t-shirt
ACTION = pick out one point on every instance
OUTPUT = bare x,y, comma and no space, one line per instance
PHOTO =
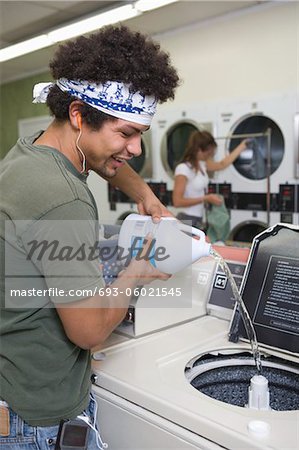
47,211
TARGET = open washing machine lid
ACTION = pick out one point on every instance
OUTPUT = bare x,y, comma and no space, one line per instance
270,288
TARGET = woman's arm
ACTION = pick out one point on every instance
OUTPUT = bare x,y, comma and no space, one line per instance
212,165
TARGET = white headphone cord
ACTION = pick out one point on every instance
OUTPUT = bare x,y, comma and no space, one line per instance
102,445
82,154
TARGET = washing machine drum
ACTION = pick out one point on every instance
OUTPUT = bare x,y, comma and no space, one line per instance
138,163
247,230
253,162
174,145
143,163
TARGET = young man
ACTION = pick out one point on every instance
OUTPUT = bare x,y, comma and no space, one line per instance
105,90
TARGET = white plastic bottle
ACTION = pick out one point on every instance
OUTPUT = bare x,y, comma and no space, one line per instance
175,245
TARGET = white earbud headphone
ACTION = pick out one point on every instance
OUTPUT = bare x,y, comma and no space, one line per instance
79,123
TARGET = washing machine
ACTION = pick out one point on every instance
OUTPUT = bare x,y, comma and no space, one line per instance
171,129
190,386
113,204
258,178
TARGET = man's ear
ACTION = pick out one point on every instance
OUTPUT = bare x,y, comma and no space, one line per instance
75,115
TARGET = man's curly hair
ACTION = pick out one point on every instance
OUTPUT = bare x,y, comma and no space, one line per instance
114,53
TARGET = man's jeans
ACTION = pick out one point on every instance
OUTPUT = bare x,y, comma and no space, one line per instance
25,437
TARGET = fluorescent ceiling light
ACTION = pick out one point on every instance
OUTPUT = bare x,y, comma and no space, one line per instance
147,5
81,27
13,51
69,31
93,23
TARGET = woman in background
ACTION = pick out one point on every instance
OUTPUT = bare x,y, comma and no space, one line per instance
191,178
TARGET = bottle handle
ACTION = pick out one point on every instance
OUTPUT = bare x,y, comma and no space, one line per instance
193,230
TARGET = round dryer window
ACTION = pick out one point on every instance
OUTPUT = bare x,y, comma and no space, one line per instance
246,231
263,156
174,144
143,164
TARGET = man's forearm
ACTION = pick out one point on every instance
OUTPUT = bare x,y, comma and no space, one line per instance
128,181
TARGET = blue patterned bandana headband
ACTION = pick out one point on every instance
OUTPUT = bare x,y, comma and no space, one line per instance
113,97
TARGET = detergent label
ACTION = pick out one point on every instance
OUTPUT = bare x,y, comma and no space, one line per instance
137,243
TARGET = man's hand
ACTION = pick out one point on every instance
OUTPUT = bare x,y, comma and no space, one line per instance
153,207
141,270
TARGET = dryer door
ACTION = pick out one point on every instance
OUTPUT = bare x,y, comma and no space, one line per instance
254,163
247,230
143,163
175,140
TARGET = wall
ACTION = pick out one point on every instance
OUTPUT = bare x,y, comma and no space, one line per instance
238,56
16,103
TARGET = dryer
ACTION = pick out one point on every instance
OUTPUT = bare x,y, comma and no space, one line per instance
171,129
256,178
143,164
159,389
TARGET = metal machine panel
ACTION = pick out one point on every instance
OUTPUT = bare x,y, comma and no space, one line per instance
270,288
141,428
163,304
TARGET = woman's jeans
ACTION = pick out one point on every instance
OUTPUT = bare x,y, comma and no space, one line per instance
25,437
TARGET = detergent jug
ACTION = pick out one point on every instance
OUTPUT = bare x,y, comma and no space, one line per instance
174,246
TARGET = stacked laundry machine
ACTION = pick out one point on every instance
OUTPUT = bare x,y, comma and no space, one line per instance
186,385
261,186
171,129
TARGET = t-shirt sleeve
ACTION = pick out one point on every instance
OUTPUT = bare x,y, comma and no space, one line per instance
182,169
65,251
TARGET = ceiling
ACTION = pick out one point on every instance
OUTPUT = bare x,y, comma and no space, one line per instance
20,20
